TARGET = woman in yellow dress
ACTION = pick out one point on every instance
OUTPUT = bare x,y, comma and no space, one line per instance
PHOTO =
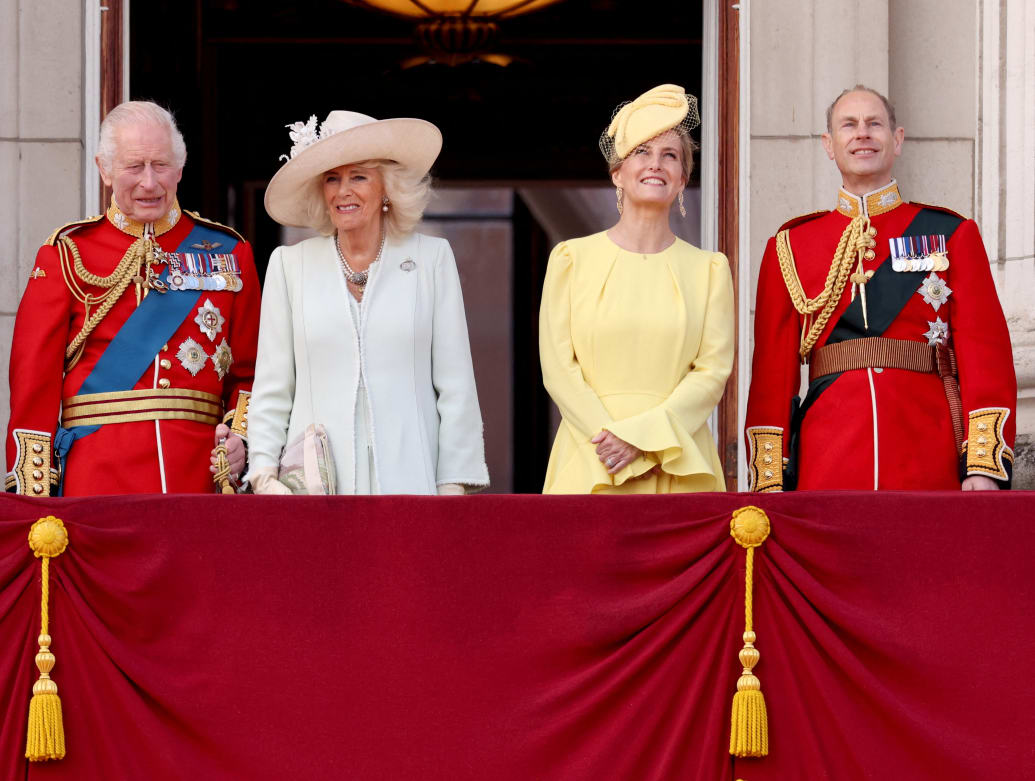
636,325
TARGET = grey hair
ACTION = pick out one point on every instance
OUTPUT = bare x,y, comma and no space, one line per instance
138,112
862,88
407,194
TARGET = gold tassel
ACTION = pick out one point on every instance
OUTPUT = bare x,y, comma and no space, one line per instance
46,734
749,726
222,476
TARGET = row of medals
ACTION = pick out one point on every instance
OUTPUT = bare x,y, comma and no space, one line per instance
936,261
180,279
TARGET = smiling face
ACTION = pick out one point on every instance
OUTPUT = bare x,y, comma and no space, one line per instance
653,172
354,195
862,142
143,174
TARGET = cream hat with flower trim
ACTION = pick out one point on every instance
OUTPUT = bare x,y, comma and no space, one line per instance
666,107
344,137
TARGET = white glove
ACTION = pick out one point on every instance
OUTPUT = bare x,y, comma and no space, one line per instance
451,489
264,482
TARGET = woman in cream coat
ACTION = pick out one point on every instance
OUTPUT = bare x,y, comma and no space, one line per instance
363,330
636,325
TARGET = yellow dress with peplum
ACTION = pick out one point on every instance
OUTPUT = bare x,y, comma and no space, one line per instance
639,345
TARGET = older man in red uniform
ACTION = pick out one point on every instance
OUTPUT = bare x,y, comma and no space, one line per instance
134,343
893,308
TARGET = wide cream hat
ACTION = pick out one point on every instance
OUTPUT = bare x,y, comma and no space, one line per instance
344,137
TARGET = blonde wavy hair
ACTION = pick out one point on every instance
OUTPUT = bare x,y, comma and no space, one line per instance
407,194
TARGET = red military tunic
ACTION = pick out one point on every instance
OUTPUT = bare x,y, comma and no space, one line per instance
887,428
156,431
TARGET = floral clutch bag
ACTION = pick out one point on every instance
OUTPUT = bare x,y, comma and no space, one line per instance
307,467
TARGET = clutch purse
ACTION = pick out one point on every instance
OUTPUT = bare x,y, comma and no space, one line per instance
306,466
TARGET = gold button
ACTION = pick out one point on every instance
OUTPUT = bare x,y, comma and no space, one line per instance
982,427
981,452
37,474
37,488
165,363
165,347
872,231
768,473
982,440
164,382
869,254
37,461
768,446
37,448
767,459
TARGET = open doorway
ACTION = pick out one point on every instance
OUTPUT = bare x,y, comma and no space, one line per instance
519,168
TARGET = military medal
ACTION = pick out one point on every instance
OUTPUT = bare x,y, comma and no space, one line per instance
919,253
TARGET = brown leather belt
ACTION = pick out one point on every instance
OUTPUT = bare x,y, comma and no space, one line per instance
880,352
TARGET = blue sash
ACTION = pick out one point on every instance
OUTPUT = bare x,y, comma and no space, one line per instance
137,343
135,346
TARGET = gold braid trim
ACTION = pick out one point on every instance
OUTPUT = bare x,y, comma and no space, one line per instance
140,252
855,240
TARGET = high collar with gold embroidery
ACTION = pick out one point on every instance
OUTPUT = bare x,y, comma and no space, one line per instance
870,205
135,228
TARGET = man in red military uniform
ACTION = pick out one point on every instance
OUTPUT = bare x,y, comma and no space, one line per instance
134,343
892,305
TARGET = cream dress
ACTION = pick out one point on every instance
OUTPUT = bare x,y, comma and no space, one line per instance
640,345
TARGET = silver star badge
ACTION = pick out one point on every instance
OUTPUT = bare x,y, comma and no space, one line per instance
222,358
938,333
192,356
209,319
934,290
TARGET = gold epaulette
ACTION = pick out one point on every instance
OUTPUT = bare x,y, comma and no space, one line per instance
52,241
213,224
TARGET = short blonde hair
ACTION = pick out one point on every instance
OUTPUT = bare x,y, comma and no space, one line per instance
407,194
686,144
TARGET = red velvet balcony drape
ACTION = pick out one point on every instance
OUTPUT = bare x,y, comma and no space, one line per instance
523,637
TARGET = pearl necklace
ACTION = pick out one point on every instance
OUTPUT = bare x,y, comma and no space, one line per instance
357,278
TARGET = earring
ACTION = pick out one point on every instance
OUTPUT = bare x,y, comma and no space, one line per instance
384,205
682,209
619,194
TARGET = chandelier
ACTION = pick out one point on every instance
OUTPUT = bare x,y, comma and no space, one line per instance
456,31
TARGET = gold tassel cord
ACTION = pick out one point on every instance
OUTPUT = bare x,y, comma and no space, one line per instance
222,476
854,244
749,726
46,733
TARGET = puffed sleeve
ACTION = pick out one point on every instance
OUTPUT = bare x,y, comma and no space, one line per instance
667,430
461,448
273,391
578,402
41,332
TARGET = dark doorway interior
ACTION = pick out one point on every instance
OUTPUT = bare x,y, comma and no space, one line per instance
235,72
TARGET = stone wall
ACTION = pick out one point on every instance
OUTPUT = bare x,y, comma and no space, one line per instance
41,143
961,74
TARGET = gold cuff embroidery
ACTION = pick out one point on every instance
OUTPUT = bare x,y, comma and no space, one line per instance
239,417
986,450
32,463
765,459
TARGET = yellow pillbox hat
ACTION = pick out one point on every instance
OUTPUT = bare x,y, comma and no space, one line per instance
663,108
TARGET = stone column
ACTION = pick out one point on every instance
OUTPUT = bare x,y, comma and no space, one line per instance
1005,190
41,143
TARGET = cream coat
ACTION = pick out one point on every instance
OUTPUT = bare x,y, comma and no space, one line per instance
416,358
